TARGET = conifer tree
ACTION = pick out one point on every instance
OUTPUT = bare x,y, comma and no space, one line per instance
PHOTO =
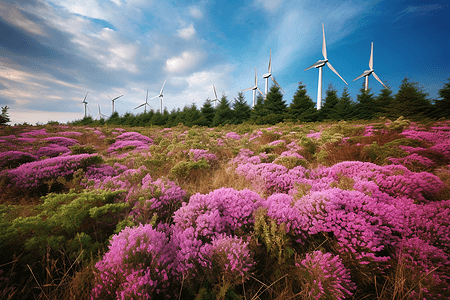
345,106
241,110
208,112
411,101
259,111
223,115
302,107
384,102
275,106
365,107
328,110
4,117
442,106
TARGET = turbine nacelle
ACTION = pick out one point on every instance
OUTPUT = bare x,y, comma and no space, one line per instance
318,64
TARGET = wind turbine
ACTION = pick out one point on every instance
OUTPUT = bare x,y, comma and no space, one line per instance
254,88
99,113
269,74
160,96
319,65
368,72
215,94
145,104
85,104
113,102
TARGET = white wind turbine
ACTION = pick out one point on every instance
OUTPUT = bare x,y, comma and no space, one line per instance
144,104
85,104
112,100
215,94
254,88
160,96
269,74
319,65
100,113
368,72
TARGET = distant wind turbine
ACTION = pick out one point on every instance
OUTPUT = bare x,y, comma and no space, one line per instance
160,96
269,74
368,72
112,100
254,88
85,104
319,65
100,113
215,94
145,104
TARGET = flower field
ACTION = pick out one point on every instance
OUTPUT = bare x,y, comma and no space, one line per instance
343,210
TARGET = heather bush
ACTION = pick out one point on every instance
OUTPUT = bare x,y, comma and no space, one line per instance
197,154
52,150
13,159
324,276
61,141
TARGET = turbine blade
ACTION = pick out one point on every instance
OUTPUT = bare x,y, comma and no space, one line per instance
260,92
314,65
116,98
108,96
85,96
247,89
162,87
140,106
332,69
270,62
154,97
146,97
215,91
376,77
324,45
277,84
256,78
362,75
371,58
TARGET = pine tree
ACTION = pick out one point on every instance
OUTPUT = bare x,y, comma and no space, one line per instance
365,107
275,106
223,115
208,112
383,103
4,117
259,111
302,107
241,110
442,106
328,110
411,101
345,106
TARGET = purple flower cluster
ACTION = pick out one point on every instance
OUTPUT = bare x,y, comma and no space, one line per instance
134,136
33,174
52,150
413,159
233,135
35,132
61,141
69,133
132,140
13,159
314,135
197,154
325,276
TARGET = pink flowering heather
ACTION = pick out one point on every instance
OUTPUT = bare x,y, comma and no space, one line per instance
35,132
134,136
233,135
220,142
413,160
197,154
325,277
277,142
255,135
222,211
29,140
52,150
314,135
160,197
61,141
12,159
69,133
133,145
124,181
34,174
138,265
291,153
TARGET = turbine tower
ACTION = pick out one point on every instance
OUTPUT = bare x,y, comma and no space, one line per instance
269,74
368,72
160,96
85,104
145,104
319,65
99,113
215,94
254,88
113,102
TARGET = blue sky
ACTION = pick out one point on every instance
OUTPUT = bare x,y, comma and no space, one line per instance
52,52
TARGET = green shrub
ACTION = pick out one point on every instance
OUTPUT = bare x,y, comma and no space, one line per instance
183,169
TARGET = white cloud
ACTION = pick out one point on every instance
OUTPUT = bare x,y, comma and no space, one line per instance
270,5
195,12
85,8
187,33
418,10
13,15
186,61
117,2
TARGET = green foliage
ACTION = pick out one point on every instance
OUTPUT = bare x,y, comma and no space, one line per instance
275,106
183,169
291,162
344,107
380,154
4,117
365,107
224,114
79,149
208,112
302,107
411,101
328,110
241,110
442,106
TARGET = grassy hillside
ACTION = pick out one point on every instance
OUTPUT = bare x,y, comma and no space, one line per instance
343,210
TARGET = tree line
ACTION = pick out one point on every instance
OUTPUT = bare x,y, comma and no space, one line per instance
411,102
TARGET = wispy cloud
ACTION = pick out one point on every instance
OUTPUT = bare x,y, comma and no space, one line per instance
418,11
184,62
11,14
187,32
